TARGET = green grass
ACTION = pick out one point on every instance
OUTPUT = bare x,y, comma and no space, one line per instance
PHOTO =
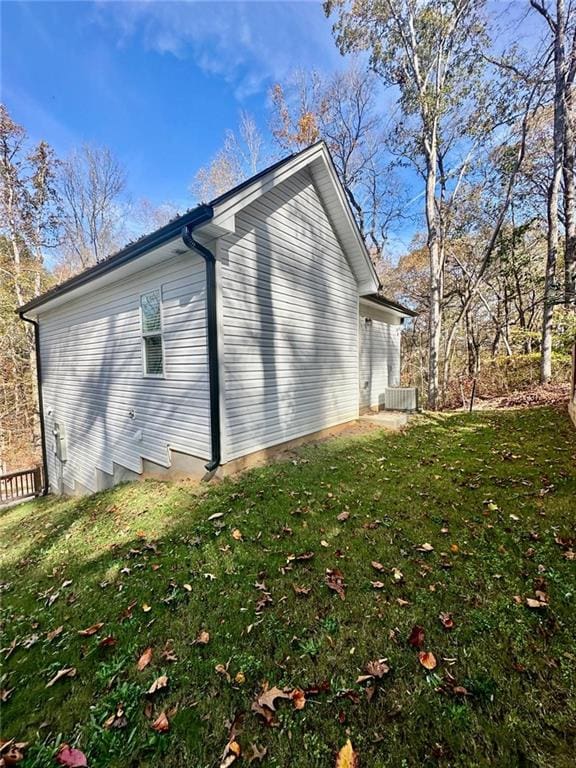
401,490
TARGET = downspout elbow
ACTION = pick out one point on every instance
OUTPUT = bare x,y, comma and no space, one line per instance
212,328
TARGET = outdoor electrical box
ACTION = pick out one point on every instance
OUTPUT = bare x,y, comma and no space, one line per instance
60,447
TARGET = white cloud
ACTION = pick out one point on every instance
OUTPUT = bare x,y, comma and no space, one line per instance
248,44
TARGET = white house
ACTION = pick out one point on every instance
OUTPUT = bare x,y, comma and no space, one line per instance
247,323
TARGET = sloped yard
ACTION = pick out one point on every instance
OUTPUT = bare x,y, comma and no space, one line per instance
454,540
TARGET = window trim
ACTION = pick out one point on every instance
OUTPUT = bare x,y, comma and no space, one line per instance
147,334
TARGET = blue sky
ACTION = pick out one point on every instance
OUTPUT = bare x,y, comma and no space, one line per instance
159,83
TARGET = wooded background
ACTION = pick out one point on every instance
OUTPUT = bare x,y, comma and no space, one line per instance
476,158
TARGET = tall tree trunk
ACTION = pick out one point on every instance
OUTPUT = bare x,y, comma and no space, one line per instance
553,193
436,275
569,169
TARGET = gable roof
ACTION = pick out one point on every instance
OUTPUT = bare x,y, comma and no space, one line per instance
218,217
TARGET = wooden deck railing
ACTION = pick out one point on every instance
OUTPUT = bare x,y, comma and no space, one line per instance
21,485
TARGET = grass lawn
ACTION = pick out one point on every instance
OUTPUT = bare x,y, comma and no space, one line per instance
493,493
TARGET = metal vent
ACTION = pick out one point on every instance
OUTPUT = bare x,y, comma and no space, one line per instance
401,398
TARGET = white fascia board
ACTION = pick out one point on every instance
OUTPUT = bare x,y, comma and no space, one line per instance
374,307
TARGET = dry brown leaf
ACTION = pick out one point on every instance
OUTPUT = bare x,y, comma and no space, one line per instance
116,720
335,581
144,659
158,684
268,697
347,757
237,534
426,547
427,659
416,639
12,751
446,620
54,633
67,672
343,516
378,584
231,754
374,669
532,603
298,698
258,753
376,565
168,652
5,694
107,642
397,575
302,591
161,724
203,638
223,670
89,631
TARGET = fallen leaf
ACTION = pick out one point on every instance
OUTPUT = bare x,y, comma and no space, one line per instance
303,591
5,694
240,678
216,516
268,697
378,584
231,753
158,684
203,638
397,575
416,639
146,608
144,659
335,581
116,720
237,534
161,724
168,652
91,630
347,757
532,603
402,602
427,659
107,642
426,547
54,633
127,612
223,670
11,752
374,669
446,620
187,587
71,758
298,698
67,672
376,565
343,516
258,753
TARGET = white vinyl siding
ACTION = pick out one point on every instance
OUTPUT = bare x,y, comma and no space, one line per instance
289,322
92,375
379,359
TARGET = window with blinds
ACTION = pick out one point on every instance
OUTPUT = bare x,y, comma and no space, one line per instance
152,343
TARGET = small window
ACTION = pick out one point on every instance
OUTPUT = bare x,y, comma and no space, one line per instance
152,344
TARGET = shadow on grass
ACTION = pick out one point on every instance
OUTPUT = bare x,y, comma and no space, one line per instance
153,545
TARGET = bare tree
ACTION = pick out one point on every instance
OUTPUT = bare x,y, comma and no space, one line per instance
91,185
558,21
341,110
29,223
242,155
